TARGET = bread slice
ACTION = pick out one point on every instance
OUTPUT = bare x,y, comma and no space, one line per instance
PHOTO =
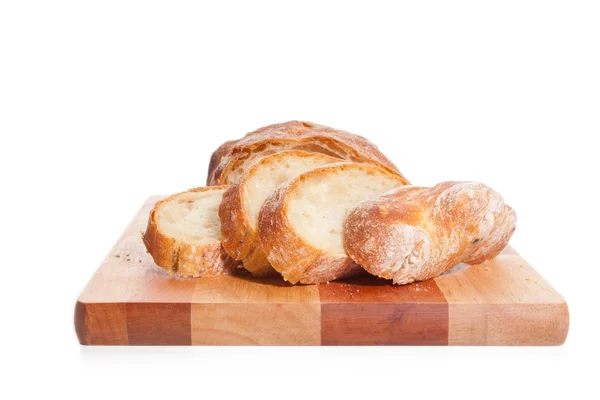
242,202
300,224
184,234
230,161
416,233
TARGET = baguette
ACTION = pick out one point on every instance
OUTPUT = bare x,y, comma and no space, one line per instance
184,235
415,233
232,159
242,202
300,224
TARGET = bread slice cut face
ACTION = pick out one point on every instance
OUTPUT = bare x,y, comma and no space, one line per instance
184,234
300,224
242,202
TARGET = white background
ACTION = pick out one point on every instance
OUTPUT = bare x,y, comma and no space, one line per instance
105,103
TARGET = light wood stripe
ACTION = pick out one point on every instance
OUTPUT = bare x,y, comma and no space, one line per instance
256,324
503,302
246,310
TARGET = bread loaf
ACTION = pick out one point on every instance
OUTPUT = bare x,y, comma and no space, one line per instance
232,159
184,234
415,233
242,202
300,224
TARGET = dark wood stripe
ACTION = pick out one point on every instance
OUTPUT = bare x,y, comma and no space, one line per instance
369,311
162,324
101,323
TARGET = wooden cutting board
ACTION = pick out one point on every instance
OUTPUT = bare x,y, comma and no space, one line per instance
130,301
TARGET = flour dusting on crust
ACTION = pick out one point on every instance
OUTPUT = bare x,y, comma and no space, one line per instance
413,233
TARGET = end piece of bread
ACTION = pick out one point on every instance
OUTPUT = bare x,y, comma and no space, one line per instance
300,224
230,161
416,233
184,234
242,202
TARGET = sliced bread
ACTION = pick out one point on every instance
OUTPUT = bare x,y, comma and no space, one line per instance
242,202
300,224
184,234
230,161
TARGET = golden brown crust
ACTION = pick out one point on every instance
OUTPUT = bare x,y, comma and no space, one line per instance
292,256
185,259
240,240
414,233
234,158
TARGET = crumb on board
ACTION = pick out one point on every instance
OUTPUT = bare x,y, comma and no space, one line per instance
487,268
118,256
